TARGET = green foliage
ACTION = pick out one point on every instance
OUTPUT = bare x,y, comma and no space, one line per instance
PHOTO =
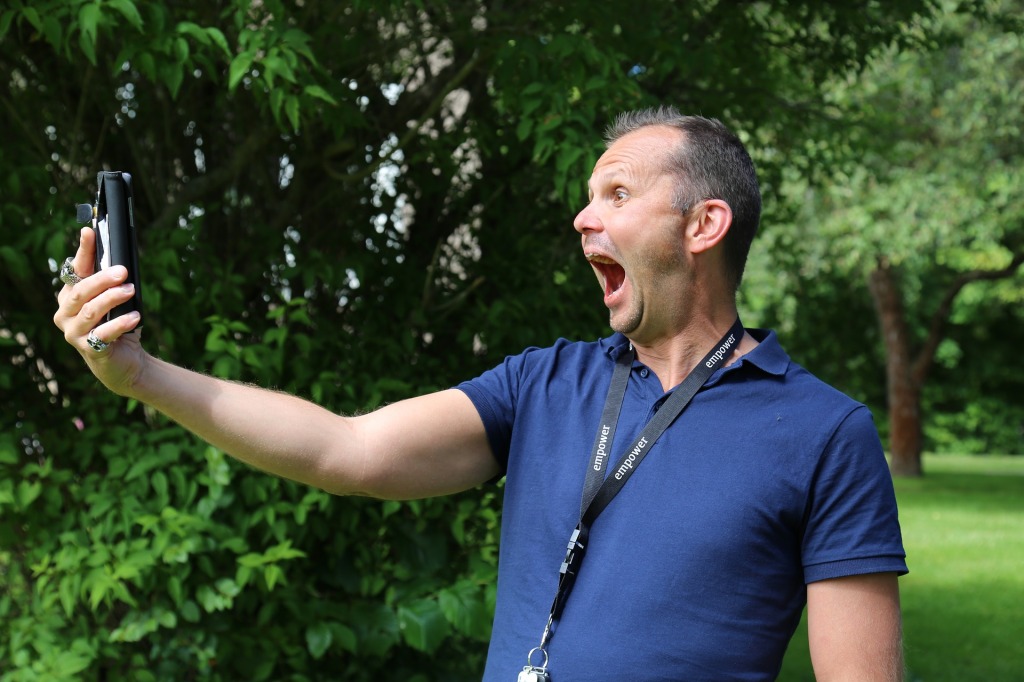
354,202
148,555
926,179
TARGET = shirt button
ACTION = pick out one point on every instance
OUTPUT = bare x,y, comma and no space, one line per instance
644,372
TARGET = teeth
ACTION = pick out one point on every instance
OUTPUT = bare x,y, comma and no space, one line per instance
595,258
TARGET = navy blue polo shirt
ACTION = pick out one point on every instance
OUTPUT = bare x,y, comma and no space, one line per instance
697,570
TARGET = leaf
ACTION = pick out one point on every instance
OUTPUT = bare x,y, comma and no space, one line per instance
345,637
5,22
147,64
97,584
276,66
181,50
211,600
69,663
298,41
130,12
68,594
26,492
423,625
8,451
239,68
172,74
318,639
524,128
167,619
190,612
159,483
291,107
567,157
218,38
195,30
15,263
320,93
33,18
88,20
174,589
53,30
463,606
272,574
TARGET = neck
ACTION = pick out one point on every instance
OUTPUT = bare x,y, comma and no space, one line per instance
672,358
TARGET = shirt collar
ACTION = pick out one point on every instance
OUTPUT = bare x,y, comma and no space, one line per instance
615,345
768,356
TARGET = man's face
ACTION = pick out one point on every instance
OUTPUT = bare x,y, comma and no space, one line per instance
634,238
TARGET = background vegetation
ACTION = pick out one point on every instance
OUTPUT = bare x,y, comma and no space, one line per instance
357,202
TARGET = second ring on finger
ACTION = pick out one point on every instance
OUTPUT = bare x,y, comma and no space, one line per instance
95,310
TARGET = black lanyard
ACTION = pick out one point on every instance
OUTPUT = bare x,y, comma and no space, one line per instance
603,484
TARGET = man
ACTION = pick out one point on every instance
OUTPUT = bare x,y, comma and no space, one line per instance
705,532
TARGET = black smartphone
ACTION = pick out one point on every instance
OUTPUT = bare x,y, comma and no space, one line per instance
117,242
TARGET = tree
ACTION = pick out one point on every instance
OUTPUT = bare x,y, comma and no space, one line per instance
930,204
355,202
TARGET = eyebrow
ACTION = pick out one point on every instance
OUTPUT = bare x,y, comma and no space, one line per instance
607,177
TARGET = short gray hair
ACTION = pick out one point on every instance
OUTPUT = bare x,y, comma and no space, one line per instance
709,163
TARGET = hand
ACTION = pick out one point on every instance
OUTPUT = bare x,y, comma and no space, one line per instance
83,305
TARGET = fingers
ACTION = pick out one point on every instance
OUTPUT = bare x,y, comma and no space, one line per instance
111,331
85,257
85,304
82,264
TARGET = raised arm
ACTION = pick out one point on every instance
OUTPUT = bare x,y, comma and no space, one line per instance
431,445
854,629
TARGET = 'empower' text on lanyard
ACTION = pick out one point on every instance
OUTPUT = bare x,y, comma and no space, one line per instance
599,489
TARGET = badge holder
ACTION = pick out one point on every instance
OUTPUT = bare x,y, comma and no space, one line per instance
535,673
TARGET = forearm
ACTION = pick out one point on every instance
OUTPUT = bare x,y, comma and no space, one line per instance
274,432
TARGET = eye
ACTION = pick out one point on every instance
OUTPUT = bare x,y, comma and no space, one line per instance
620,195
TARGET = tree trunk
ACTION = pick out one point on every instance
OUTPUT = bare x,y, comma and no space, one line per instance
903,390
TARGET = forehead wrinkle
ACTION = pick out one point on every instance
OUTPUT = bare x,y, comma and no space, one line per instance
623,174
640,157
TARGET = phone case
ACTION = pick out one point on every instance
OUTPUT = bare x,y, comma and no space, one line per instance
116,235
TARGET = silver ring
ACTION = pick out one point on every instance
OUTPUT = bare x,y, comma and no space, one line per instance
544,653
67,272
95,343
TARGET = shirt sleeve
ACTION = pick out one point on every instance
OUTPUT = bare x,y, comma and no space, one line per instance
851,523
494,394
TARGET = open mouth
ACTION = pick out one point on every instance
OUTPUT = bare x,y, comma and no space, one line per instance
611,273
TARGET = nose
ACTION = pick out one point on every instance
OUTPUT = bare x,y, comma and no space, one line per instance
587,220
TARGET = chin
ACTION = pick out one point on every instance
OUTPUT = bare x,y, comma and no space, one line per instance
625,325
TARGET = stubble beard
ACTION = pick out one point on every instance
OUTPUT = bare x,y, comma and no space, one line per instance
659,265
628,324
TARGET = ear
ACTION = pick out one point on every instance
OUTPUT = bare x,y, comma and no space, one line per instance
709,225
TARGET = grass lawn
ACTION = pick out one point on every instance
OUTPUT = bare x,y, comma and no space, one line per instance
963,601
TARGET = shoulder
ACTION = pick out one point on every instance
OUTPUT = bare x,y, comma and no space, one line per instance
780,380
535,383
563,358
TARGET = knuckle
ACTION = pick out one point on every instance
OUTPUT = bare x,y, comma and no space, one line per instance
88,312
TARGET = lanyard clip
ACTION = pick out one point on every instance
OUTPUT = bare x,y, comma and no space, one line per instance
574,553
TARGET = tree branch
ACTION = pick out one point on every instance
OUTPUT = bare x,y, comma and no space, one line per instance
923,362
413,128
215,179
